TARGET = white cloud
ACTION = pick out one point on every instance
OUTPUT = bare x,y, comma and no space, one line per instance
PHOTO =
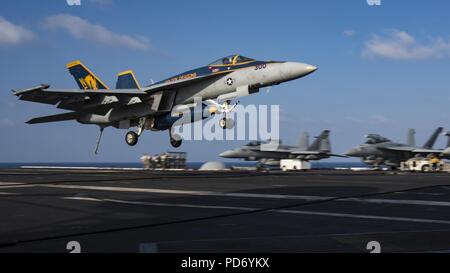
381,119
348,33
400,45
84,30
11,34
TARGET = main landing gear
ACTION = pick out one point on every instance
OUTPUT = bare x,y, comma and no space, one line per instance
132,138
227,123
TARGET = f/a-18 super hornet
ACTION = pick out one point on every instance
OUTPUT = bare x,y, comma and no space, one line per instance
270,153
379,150
130,105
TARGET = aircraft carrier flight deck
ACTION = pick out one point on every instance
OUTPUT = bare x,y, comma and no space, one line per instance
233,211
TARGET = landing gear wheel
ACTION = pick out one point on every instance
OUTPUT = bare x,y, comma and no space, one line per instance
226,123
175,140
131,138
175,143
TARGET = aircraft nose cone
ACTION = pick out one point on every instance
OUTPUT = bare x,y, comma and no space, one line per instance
292,70
227,154
353,152
311,68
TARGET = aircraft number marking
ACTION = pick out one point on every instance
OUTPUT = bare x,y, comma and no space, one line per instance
260,66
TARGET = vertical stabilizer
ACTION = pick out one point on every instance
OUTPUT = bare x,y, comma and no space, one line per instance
304,141
84,77
448,139
127,80
430,143
411,139
322,142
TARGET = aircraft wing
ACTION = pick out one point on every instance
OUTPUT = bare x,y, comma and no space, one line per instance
317,153
398,149
336,155
42,94
300,152
411,150
427,151
87,101
55,118
177,83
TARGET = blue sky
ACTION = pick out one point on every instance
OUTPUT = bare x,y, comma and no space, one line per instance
381,69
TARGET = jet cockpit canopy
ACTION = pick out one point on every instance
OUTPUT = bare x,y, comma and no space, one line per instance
375,139
231,60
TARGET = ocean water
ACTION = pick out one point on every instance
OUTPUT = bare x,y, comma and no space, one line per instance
190,165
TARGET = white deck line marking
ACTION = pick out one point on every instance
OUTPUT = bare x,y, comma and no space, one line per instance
254,195
361,216
185,192
158,204
9,183
79,168
18,186
400,202
302,212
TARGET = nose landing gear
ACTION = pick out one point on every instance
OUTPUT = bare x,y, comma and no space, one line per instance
226,123
226,108
175,140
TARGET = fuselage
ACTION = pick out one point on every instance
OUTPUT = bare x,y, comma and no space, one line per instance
250,153
219,78
376,154
251,73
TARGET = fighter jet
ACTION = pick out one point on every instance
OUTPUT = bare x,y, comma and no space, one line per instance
379,150
130,105
446,153
270,153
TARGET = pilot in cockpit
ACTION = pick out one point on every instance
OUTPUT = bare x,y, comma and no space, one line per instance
227,60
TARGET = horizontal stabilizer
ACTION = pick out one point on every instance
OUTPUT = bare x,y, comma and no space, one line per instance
336,155
55,118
